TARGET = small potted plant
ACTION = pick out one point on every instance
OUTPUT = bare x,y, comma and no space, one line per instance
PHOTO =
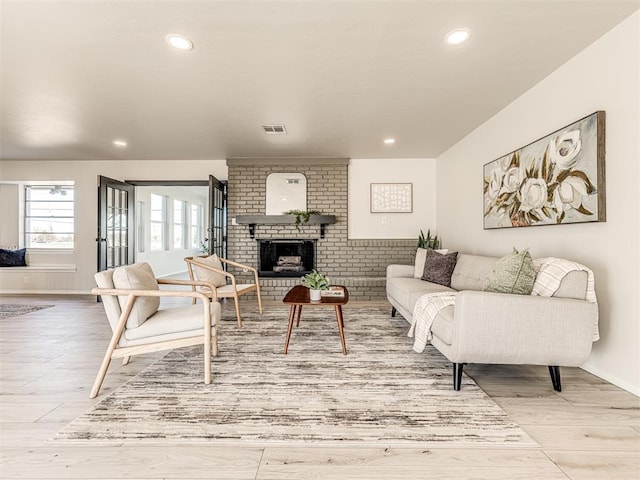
315,282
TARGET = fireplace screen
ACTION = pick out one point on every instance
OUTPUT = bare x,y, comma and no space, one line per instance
286,258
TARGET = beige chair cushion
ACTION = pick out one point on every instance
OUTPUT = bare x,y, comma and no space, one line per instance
204,274
138,276
172,324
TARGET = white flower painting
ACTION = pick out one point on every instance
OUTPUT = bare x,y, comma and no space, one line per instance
557,179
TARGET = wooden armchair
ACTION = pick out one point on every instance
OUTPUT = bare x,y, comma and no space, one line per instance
131,299
209,268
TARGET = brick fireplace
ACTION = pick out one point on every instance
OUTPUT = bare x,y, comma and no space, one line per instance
358,264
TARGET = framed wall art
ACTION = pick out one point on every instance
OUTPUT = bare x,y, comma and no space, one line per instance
557,179
391,198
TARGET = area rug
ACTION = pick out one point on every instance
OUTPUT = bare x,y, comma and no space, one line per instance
8,310
381,393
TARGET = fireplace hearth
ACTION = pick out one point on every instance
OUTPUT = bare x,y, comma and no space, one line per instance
285,257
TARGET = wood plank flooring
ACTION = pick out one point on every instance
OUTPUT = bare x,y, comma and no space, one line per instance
48,360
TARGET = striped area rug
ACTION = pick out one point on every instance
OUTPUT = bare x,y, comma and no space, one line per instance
9,310
381,393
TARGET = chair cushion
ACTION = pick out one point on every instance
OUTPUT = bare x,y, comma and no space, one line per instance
111,305
172,324
138,276
206,274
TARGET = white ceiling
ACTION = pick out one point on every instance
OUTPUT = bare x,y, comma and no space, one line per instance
341,75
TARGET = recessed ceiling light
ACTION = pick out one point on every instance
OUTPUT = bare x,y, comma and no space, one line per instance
389,141
120,143
179,41
459,35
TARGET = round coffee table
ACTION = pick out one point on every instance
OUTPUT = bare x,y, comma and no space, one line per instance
298,297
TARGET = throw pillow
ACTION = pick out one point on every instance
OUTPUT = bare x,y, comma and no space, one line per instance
13,258
421,256
513,273
138,276
207,275
438,267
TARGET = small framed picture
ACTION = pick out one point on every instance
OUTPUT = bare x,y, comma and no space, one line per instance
391,197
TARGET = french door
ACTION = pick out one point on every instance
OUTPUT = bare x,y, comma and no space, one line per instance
217,228
115,223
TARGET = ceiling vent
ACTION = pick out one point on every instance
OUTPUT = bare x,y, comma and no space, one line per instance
274,129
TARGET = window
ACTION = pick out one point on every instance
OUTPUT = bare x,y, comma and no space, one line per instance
49,216
158,224
179,230
196,225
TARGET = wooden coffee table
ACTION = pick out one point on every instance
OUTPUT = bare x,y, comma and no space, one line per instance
298,297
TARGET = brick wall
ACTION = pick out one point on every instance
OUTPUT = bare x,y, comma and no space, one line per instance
358,264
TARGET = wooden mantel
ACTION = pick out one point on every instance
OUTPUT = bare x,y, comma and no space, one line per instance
253,220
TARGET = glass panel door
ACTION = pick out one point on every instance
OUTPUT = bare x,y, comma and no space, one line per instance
115,223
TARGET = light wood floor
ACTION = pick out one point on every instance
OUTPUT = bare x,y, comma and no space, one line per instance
48,362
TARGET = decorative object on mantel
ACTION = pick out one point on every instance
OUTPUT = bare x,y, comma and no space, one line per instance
428,241
557,179
302,216
315,282
391,198
253,220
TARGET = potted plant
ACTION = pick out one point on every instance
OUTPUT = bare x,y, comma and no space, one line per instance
427,241
315,282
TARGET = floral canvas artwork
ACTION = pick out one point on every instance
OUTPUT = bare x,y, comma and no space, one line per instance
555,180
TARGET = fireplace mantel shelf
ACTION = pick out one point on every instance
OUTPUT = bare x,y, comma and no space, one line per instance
253,220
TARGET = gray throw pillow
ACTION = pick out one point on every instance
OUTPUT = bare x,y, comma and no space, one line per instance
438,268
513,273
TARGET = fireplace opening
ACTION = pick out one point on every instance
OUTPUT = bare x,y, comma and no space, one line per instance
286,258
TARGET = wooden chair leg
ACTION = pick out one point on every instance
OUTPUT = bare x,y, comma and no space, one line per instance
125,360
106,361
259,298
207,356
115,338
235,299
214,346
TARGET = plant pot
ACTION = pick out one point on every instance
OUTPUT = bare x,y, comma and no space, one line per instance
315,295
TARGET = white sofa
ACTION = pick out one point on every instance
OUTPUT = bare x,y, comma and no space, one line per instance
499,328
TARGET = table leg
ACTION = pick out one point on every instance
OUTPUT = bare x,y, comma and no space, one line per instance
292,315
341,328
299,313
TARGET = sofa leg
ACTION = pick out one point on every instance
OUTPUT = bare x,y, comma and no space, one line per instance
457,375
393,311
554,371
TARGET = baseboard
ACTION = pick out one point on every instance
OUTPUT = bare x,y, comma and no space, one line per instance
629,387
46,292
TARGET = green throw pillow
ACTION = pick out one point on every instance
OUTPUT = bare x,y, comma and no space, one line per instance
513,273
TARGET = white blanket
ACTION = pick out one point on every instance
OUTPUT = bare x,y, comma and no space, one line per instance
424,313
550,273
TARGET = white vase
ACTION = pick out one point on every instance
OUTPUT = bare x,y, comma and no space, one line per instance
315,295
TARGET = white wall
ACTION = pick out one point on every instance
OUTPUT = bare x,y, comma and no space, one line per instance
421,172
605,76
9,209
84,174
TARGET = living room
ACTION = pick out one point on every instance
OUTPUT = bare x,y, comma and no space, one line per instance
602,74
